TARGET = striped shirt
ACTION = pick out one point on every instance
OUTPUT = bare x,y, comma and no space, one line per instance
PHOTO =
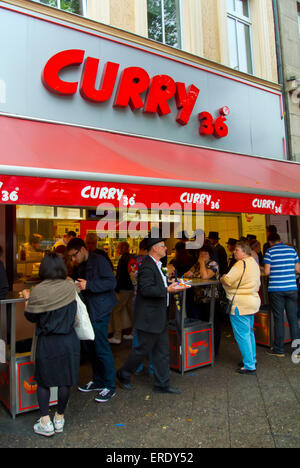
282,260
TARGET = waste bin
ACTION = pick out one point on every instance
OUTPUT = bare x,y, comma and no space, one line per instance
264,327
192,341
17,385
197,343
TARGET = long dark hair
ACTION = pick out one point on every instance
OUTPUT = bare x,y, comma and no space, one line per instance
53,267
209,249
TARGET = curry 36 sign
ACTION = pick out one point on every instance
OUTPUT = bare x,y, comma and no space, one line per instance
132,84
65,192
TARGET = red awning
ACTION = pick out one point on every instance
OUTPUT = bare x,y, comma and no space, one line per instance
31,148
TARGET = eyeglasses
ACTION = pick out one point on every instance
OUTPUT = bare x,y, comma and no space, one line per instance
74,255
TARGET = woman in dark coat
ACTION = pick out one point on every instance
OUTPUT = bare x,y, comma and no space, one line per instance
52,306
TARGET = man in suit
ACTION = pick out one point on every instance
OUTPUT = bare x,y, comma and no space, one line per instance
219,251
151,321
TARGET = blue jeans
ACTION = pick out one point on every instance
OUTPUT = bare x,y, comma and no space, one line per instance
242,326
101,356
280,301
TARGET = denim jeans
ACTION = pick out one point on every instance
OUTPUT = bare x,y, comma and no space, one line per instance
101,356
242,326
280,301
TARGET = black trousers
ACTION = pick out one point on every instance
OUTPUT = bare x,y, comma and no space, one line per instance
158,345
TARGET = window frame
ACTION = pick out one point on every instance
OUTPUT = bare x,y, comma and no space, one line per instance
180,29
246,21
58,7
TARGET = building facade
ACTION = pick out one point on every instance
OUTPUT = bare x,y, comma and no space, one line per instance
204,123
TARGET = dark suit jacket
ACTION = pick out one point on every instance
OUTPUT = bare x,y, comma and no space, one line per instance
151,300
99,295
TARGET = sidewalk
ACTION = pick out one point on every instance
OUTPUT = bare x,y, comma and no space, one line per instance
216,409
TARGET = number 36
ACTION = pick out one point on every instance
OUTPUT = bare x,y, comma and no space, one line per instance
216,127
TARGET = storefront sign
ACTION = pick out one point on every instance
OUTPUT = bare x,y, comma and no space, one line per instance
64,192
103,82
134,81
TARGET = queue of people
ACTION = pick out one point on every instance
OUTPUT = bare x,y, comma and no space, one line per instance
145,287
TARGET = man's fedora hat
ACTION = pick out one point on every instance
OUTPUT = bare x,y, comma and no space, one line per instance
213,235
231,241
151,241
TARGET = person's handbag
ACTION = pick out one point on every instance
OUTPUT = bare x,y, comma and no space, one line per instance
229,304
83,326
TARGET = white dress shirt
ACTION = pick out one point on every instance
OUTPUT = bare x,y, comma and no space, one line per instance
159,265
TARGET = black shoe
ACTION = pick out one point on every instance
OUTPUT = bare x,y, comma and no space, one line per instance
172,390
243,371
124,383
271,352
241,364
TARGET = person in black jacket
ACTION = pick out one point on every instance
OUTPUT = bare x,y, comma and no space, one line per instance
151,321
220,252
3,278
97,284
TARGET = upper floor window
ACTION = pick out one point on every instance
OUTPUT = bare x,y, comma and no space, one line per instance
239,35
73,6
164,21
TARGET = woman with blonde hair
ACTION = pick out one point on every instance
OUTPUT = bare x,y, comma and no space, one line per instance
241,285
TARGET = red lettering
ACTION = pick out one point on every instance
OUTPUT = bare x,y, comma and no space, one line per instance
133,82
185,102
206,127
89,75
221,129
50,74
162,88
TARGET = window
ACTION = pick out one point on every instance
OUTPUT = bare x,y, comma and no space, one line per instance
239,35
164,21
73,6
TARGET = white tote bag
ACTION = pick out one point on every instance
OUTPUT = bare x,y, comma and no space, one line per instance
83,326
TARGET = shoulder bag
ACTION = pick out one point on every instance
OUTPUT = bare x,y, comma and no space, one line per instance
229,303
83,326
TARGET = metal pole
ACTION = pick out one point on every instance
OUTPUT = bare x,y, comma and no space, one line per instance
13,380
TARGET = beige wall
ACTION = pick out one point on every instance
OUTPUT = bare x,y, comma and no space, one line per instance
204,26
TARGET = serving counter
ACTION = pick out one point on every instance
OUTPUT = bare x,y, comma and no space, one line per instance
192,340
17,385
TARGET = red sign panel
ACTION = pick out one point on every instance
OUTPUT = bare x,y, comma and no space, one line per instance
63,192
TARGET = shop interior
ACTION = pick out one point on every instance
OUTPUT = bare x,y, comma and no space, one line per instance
52,223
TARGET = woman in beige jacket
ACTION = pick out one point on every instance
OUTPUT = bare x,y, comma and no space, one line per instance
245,304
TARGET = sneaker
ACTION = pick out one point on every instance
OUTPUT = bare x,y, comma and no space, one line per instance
105,395
58,424
128,337
271,352
114,340
90,387
46,430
